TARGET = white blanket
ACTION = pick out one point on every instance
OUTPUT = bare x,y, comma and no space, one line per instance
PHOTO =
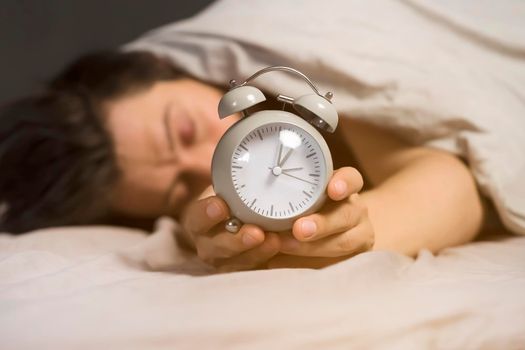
447,74
102,288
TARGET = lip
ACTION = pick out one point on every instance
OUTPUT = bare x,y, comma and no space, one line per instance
186,129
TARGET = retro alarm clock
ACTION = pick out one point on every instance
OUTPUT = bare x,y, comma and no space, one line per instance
272,167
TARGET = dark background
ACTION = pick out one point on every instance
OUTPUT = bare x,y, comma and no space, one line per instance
37,38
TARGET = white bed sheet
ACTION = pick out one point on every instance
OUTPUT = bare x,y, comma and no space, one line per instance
109,288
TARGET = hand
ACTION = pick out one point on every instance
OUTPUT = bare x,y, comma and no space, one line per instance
203,223
341,229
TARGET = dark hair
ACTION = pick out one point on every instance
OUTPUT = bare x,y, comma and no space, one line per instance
57,160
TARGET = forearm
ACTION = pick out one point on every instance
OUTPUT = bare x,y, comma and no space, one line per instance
432,203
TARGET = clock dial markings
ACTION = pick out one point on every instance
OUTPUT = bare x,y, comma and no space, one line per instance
265,195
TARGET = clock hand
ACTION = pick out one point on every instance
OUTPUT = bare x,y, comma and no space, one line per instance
279,155
285,170
291,169
287,155
298,178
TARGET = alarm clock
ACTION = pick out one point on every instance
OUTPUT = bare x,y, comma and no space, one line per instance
272,166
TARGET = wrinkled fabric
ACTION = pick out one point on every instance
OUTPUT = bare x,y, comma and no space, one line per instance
446,74
109,288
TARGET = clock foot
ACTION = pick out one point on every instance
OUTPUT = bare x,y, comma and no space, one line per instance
233,225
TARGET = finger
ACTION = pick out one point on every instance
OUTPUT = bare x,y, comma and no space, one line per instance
204,214
223,244
335,217
254,257
208,192
351,242
344,182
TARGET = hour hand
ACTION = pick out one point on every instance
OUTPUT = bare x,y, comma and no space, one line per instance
278,161
286,156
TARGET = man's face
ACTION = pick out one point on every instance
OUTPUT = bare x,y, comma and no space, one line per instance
164,140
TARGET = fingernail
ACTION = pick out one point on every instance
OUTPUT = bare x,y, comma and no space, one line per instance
248,240
213,211
340,187
308,228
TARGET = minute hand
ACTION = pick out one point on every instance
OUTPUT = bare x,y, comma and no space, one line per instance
298,178
286,156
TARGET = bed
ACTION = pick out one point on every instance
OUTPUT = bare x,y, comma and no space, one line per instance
445,86
114,288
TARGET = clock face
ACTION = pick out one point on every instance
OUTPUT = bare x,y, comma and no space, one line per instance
278,170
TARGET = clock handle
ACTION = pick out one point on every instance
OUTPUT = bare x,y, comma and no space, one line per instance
317,109
233,225
328,95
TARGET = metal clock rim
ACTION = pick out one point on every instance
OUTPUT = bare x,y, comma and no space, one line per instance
221,175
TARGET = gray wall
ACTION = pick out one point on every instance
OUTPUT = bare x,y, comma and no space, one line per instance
37,37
